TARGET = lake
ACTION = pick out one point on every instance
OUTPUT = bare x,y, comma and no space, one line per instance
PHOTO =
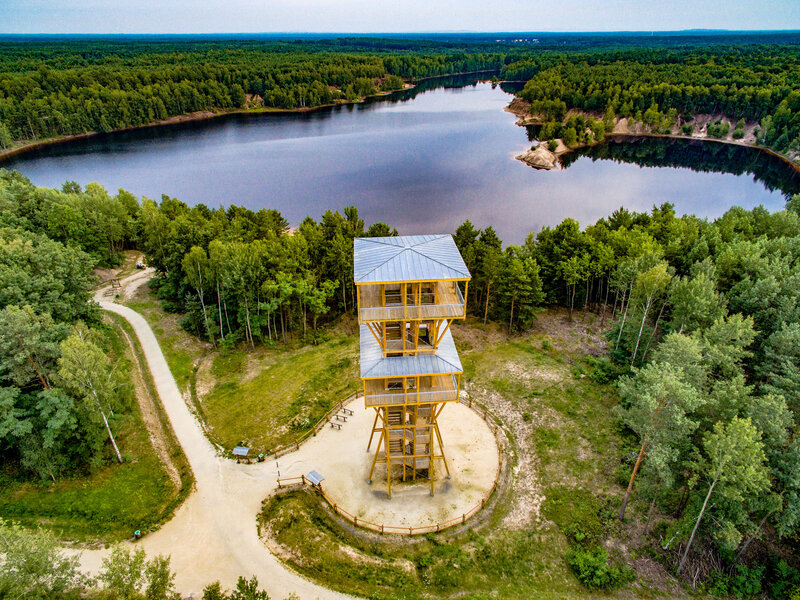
422,160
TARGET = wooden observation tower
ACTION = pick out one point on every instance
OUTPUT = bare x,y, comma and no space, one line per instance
409,293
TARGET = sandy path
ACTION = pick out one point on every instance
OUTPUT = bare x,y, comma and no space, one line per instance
213,535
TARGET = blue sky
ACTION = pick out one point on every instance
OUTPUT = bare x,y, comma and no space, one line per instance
234,16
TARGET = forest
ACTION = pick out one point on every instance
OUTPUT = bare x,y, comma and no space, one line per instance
53,88
702,320
664,88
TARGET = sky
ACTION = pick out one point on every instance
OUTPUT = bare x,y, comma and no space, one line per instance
361,16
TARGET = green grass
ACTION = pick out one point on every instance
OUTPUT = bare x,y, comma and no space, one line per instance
180,349
111,502
287,392
475,564
544,382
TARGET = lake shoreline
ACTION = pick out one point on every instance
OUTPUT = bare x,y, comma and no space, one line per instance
207,115
519,108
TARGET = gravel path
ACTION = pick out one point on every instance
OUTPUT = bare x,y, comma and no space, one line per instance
213,535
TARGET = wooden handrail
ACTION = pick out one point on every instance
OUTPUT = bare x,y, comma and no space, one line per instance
400,529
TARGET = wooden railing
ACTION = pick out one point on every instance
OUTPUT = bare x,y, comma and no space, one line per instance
295,445
302,480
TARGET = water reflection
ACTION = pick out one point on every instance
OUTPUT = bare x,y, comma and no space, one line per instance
422,160
707,157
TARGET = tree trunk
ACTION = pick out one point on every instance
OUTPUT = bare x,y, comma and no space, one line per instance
696,525
586,297
511,318
486,309
605,306
630,483
248,331
650,513
624,317
219,308
641,328
108,429
572,301
227,320
655,329
751,538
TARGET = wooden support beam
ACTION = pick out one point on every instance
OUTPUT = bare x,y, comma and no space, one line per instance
439,339
441,448
374,423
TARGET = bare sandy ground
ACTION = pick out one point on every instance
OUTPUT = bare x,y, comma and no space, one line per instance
213,535
472,454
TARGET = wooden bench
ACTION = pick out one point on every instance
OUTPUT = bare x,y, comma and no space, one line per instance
335,425
347,411
341,418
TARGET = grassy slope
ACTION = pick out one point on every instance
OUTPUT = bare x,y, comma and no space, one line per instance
555,415
265,397
112,502
269,397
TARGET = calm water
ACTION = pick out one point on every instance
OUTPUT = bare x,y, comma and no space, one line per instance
422,161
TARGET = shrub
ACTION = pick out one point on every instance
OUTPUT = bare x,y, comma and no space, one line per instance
552,145
593,569
785,581
687,129
738,134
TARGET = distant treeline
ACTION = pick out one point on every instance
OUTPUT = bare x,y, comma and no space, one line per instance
69,88
663,89
56,88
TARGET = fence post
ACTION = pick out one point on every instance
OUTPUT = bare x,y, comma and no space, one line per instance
303,478
381,527
410,531
355,520
463,518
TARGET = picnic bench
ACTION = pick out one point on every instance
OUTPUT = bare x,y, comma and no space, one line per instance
347,411
242,452
335,425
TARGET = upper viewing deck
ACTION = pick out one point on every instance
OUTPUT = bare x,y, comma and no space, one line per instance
407,259
414,277
410,301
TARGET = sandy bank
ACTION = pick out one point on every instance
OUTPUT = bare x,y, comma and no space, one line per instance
521,109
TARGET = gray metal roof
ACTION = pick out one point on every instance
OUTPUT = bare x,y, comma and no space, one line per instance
375,364
407,258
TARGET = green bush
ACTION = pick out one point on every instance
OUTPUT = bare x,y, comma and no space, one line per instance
552,145
577,514
738,134
687,129
593,569
785,581
745,583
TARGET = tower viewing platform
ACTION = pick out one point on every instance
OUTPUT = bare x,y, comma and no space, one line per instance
409,294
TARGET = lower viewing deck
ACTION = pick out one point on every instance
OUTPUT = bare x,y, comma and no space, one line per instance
424,389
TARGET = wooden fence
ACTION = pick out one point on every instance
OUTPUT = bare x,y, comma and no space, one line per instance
295,445
302,480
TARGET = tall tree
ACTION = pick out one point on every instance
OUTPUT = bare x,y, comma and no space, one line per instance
659,404
733,460
83,369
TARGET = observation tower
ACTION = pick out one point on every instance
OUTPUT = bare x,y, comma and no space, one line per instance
410,290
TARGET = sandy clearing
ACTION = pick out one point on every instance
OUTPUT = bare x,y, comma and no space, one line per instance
472,455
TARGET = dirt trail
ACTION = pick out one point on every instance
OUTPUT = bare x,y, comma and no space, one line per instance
213,535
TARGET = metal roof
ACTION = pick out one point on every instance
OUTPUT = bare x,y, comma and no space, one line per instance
407,258
375,364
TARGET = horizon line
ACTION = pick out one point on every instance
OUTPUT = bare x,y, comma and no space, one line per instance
696,30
